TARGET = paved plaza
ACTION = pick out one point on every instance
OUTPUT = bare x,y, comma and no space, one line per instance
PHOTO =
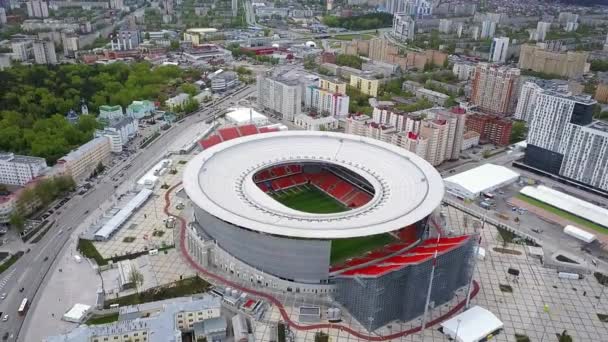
540,304
146,228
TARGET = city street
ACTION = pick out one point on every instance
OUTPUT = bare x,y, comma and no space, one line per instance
30,271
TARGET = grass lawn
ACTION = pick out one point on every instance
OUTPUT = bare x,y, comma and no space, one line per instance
363,36
309,199
102,319
576,219
88,250
13,259
342,249
180,288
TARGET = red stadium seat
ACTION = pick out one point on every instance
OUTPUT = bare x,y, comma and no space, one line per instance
228,133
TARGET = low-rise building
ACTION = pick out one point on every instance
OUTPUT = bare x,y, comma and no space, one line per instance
178,100
470,139
81,162
141,109
169,321
19,170
224,81
119,133
316,122
110,114
431,95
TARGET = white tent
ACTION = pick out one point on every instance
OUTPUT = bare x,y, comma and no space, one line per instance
484,178
77,313
472,325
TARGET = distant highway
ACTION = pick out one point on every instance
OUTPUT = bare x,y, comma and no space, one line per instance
30,271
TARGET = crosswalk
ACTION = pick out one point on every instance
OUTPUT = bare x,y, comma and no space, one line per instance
6,279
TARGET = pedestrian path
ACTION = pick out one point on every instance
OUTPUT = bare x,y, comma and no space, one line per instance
6,278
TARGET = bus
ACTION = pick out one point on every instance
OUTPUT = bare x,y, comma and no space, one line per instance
23,307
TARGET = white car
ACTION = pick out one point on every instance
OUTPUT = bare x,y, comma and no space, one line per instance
5,318
3,296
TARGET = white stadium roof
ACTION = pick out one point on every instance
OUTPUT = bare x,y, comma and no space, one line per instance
220,181
568,203
482,178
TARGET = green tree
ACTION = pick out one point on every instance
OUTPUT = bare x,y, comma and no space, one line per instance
136,277
349,60
564,337
189,89
147,36
321,337
17,221
518,131
174,45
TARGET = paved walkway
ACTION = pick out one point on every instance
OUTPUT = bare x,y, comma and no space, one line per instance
280,306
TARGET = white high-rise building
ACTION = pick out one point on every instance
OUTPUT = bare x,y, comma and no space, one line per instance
21,49
463,70
403,26
70,42
37,9
530,91
117,4
19,170
283,96
571,26
606,43
445,26
44,52
488,28
541,31
564,140
2,16
499,49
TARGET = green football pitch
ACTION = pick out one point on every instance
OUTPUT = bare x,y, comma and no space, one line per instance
309,199
312,200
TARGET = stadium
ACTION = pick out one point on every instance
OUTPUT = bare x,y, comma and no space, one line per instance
314,212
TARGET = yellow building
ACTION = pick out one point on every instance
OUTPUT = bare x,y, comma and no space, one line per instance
366,84
197,35
333,86
570,64
81,162
601,93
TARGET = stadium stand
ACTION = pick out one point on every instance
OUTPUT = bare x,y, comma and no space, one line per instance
247,130
212,140
376,263
228,133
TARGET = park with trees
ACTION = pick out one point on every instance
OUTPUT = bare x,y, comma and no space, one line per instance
35,99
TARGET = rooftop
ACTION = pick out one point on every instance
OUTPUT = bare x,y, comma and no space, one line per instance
220,181
160,326
19,159
79,152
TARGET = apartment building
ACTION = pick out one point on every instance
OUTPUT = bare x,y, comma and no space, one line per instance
81,162
499,49
403,26
21,49
530,90
464,70
494,88
154,322
564,140
366,84
44,52
19,170
328,97
435,134
280,95
431,95
37,9
492,129
569,64
488,28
